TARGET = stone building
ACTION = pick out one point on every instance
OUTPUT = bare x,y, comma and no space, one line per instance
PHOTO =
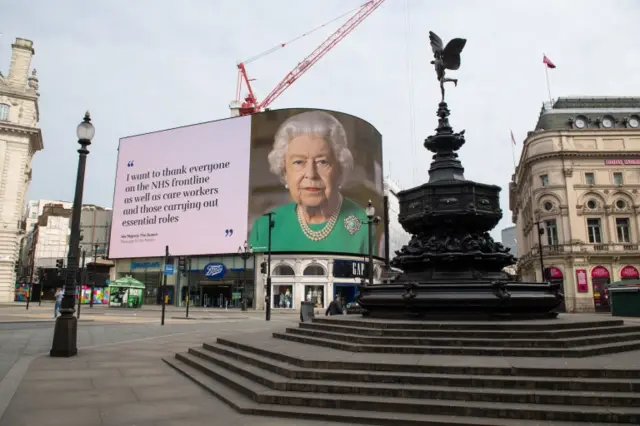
576,189
20,139
509,239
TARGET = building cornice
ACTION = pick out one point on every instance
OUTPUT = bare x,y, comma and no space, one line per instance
19,94
525,162
34,134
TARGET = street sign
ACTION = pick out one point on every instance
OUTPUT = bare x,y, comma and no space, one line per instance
168,269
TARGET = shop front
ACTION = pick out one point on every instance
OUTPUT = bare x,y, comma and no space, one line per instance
600,280
348,275
149,272
555,276
219,282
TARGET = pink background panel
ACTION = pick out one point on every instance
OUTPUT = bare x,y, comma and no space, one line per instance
197,232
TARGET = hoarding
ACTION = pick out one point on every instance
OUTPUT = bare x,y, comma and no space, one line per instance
205,189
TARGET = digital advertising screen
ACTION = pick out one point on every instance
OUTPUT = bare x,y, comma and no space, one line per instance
207,188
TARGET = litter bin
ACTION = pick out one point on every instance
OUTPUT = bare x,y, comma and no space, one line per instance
307,311
625,301
244,304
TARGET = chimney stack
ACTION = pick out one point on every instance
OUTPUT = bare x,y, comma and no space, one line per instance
21,54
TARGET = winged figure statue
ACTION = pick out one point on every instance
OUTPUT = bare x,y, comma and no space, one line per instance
446,58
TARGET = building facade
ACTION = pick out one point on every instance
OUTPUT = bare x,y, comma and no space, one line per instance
398,237
509,239
576,189
47,242
20,139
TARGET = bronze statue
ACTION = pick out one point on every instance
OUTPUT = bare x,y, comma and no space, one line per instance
446,58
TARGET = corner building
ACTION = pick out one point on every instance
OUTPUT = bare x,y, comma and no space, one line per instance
20,139
578,179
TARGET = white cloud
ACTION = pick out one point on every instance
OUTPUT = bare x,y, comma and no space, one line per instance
154,64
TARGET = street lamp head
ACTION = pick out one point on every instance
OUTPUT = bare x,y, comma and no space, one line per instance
371,211
245,246
85,130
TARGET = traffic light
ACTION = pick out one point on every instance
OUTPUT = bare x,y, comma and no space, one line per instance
59,264
16,268
263,268
182,264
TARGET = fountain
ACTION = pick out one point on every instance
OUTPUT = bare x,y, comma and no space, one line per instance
451,266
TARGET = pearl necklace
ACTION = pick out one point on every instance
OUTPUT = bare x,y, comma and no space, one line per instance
324,232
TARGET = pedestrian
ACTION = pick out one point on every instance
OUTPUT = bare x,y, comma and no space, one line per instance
335,307
56,307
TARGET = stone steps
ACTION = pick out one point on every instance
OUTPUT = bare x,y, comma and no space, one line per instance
467,333
260,353
258,384
246,405
504,325
354,336
488,389
579,352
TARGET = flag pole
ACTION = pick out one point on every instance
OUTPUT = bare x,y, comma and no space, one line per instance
513,156
546,72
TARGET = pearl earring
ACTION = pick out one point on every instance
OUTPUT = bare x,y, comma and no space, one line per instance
286,186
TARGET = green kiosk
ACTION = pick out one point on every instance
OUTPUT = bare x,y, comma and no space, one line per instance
126,292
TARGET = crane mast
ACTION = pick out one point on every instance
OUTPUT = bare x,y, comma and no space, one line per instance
251,105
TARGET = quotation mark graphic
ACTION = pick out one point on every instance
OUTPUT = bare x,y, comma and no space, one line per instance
228,232
130,164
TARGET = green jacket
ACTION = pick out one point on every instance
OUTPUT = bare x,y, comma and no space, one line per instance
349,235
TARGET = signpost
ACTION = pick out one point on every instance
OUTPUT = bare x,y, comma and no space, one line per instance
168,270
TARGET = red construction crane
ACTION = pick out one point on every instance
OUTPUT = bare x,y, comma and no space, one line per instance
251,104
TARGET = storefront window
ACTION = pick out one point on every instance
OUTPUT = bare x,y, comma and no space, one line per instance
315,294
347,293
283,296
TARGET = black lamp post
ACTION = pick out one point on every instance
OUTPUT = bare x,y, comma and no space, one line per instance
272,223
245,254
540,234
66,330
372,220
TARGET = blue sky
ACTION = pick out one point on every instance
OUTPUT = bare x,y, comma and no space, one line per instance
153,64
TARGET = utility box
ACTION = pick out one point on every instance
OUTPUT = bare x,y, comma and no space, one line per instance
307,312
625,301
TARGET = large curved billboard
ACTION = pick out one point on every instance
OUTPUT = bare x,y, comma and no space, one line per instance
205,189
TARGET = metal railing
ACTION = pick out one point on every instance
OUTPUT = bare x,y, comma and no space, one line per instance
618,248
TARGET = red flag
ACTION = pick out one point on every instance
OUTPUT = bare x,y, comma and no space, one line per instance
548,62
513,139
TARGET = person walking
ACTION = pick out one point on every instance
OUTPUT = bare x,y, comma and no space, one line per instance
56,307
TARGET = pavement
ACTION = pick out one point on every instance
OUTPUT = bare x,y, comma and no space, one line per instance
118,377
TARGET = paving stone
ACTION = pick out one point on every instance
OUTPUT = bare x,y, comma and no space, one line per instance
78,416
173,392
81,373
133,382
135,412
143,371
71,398
58,385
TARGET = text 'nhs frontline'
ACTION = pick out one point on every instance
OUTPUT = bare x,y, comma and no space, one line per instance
172,202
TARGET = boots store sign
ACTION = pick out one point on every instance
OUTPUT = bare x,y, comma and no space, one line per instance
215,270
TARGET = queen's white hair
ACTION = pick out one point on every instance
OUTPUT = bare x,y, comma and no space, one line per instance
316,123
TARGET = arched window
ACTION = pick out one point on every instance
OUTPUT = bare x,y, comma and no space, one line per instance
315,270
4,112
283,270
